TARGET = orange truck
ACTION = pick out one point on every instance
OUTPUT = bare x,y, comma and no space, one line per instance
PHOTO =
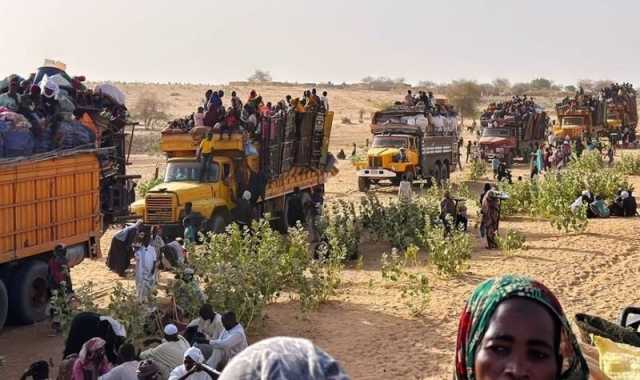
292,160
45,200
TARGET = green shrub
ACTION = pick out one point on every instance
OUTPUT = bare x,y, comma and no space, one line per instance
628,164
449,253
477,169
244,270
512,241
125,308
414,287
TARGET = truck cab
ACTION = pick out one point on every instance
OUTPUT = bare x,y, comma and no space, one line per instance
572,125
391,156
212,197
499,142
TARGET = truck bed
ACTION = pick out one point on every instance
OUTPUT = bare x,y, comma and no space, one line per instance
46,200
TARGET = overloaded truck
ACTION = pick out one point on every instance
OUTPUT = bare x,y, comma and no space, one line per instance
63,196
510,129
612,111
409,143
290,158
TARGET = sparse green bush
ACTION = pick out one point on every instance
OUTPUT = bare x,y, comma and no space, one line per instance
477,169
512,241
448,253
414,287
244,270
628,164
124,307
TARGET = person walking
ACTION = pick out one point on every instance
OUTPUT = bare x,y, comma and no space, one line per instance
490,217
146,260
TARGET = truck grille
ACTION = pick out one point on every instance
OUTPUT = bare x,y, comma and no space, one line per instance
375,162
159,209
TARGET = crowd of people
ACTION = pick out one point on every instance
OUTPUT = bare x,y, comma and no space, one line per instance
212,346
510,111
426,100
623,205
511,326
49,110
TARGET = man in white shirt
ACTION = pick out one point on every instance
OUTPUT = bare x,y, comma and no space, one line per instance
128,369
170,353
193,369
232,341
205,328
325,101
146,259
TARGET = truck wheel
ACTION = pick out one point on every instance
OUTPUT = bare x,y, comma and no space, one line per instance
437,174
363,184
217,223
445,172
4,304
28,292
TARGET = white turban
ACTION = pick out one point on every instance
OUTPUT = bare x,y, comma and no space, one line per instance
246,195
170,329
624,195
52,86
195,354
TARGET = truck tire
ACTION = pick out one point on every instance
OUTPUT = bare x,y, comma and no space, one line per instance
437,173
217,223
445,172
28,292
4,304
363,184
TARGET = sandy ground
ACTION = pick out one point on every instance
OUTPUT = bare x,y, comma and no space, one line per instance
367,327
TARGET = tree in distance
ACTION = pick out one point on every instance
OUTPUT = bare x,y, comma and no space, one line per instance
260,76
465,96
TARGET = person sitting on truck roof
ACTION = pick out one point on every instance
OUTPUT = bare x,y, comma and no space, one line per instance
11,99
207,96
324,100
236,103
198,117
249,119
205,155
408,99
120,251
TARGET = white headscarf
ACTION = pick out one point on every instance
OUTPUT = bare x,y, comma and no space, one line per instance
195,354
117,327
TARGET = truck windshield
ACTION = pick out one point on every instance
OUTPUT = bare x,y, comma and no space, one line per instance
190,171
573,120
495,132
390,142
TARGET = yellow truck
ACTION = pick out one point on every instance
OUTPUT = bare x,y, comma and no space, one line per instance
289,160
409,144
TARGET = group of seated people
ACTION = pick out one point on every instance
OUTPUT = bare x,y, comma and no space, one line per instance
511,326
427,101
213,346
246,116
623,205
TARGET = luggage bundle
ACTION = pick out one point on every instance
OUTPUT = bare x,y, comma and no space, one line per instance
53,111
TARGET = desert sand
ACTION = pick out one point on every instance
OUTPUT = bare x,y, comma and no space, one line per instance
366,326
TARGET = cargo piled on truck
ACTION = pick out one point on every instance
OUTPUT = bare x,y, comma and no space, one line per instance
62,184
279,156
411,142
511,129
613,111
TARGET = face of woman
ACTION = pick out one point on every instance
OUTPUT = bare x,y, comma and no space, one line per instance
520,343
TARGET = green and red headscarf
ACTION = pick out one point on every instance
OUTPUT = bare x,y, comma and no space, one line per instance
480,307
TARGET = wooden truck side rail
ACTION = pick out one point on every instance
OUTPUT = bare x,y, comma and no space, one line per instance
46,201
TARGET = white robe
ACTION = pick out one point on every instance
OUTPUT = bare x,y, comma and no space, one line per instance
145,271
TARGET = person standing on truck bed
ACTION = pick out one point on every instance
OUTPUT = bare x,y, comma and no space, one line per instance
408,99
120,251
205,154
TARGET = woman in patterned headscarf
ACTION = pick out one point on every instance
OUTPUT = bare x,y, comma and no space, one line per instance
514,327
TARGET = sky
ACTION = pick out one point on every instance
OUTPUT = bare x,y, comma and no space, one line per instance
213,41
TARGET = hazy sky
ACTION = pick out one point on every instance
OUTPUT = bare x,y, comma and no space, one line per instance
212,41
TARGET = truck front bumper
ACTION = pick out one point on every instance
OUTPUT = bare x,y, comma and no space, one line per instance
376,173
